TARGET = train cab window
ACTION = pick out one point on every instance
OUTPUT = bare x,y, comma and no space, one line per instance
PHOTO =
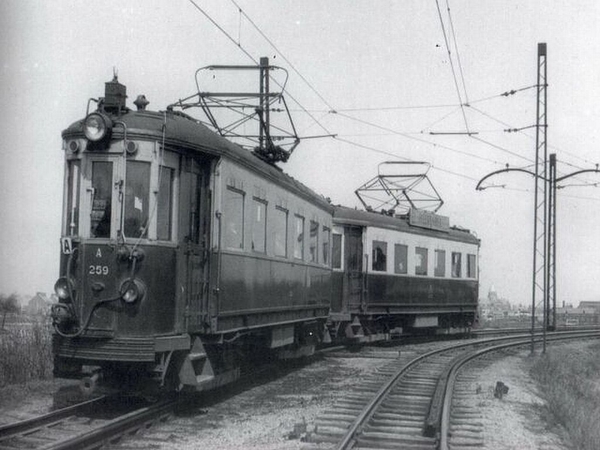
456,265
379,256
313,242
259,225
137,202
233,216
471,266
299,237
400,258
100,215
164,204
420,261
326,238
336,251
72,212
279,223
440,263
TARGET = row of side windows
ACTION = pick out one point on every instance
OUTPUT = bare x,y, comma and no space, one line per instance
421,261
272,231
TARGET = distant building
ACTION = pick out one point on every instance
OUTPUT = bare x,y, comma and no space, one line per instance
494,307
590,305
577,316
39,304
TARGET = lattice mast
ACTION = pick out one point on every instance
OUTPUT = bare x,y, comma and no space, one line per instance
540,227
551,253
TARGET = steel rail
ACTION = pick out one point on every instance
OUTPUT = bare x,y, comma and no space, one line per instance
117,428
457,365
348,440
15,428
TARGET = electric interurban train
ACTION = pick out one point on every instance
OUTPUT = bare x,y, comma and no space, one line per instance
184,255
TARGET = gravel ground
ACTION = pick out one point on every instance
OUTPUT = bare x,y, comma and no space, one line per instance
515,422
278,412
274,415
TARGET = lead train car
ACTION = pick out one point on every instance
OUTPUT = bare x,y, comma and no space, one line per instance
395,275
181,252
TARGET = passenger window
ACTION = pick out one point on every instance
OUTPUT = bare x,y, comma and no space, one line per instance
164,206
400,258
313,242
299,238
440,263
233,217
100,215
456,263
279,224
379,256
326,237
259,225
137,194
420,261
336,251
471,266
72,218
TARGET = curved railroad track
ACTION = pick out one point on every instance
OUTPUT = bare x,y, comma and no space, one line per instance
413,408
412,402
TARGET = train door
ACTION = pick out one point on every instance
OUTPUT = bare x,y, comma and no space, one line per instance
196,258
353,281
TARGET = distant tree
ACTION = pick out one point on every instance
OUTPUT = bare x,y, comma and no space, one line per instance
8,304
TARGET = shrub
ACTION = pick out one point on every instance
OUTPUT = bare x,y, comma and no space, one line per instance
26,352
569,381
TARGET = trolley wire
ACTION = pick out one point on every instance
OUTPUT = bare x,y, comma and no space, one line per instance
238,44
333,110
450,60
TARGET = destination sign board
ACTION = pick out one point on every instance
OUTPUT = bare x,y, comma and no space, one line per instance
429,220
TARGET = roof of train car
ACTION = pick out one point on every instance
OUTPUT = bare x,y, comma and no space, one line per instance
183,131
350,216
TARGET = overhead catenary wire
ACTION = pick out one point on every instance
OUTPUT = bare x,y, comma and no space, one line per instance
522,131
238,44
332,109
432,106
419,139
450,60
460,69
384,152
257,28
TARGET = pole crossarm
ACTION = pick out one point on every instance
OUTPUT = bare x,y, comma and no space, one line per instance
579,172
557,180
489,175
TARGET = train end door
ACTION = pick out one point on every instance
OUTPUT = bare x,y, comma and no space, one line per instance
353,283
197,199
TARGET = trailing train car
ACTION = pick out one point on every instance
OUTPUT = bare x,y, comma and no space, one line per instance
181,253
398,275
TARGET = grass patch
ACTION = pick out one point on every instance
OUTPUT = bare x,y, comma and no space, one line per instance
26,350
569,381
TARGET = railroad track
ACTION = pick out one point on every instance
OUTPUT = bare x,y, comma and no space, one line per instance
87,425
410,405
105,420
412,402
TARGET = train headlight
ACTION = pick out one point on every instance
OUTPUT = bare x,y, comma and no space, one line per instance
97,126
132,291
63,288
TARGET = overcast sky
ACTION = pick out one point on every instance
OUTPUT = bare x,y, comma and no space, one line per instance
383,66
